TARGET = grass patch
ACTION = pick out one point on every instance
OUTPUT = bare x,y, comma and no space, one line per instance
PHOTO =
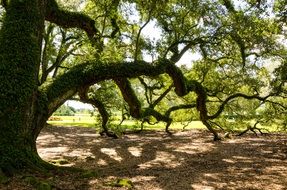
76,121
88,121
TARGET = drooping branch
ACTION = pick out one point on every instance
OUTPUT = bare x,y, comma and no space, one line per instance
83,94
175,108
253,129
129,96
135,106
158,116
184,86
145,113
201,105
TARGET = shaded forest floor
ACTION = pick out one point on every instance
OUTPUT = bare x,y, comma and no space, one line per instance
152,160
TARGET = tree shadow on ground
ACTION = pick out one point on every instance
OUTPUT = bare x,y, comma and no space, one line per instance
153,160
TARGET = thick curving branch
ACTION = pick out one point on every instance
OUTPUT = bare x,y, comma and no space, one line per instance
201,105
90,73
179,81
86,74
184,86
67,19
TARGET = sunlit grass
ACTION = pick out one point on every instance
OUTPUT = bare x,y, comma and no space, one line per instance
89,121
78,121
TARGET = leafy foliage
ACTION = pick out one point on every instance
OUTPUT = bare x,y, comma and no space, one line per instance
235,42
93,50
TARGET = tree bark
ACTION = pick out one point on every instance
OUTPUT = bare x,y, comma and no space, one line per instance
20,105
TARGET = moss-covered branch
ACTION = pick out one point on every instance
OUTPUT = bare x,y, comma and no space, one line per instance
89,73
129,96
184,86
201,105
179,81
67,19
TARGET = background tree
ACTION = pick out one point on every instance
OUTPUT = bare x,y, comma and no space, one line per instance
65,110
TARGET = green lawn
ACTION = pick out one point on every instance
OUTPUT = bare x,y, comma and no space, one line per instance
88,121
82,120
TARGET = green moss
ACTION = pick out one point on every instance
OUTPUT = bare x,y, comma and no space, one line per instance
60,162
121,183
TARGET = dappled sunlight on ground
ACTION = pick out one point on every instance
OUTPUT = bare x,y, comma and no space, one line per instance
135,151
153,160
162,159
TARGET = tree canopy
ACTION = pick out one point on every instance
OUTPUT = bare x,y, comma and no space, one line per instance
234,63
237,47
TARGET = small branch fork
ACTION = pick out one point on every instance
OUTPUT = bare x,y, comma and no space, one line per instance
253,129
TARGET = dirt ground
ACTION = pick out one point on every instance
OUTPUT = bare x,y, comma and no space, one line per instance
154,161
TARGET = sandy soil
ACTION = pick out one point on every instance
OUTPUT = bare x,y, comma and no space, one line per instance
155,161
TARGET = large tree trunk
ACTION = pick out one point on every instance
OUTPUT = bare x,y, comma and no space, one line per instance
20,50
